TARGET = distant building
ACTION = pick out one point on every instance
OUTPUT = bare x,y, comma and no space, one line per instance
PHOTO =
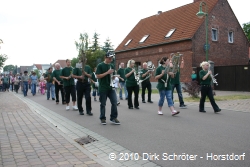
180,30
61,62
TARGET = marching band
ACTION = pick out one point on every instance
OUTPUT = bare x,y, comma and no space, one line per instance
107,84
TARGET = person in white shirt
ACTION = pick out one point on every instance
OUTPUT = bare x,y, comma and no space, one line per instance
117,86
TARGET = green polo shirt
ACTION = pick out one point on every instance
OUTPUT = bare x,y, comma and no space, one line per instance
121,72
78,72
56,74
104,83
161,84
130,81
50,77
142,78
176,79
207,81
67,71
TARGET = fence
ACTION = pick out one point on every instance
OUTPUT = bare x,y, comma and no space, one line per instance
231,78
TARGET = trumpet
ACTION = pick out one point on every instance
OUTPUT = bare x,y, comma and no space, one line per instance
214,79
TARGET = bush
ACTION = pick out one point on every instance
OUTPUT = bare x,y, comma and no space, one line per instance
192,88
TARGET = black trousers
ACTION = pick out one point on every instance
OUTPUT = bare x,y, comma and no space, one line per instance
70,90
83,88
144,85
16,87
130,90
206,90
57,89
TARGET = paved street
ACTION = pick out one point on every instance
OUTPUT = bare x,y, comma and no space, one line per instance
144,132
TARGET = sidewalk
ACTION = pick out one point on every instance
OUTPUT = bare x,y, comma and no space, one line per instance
27,140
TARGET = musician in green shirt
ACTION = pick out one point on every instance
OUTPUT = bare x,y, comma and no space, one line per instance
83,88
106,89
131,84
122,79
69,84
145,76
58,83
206,89
49,85
164,86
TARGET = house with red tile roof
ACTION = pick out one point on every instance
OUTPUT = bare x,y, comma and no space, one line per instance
61,62
180,30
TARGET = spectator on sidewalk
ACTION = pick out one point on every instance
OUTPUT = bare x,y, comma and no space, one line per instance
16,83
193,76
25,79
5,81
33,81
49,85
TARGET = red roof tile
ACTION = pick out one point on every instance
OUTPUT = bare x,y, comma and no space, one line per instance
38,66
61,62
183,19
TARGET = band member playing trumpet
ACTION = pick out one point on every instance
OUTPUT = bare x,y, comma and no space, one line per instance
83,88
145,76
131,84
103,74
164,86
206,89
69,85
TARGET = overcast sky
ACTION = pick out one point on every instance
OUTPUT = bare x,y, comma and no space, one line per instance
43,31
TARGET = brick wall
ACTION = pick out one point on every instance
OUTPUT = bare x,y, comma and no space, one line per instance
154,54
221,52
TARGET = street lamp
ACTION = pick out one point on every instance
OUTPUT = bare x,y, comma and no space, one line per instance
200,15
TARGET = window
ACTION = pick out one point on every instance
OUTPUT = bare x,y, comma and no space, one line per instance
231,37
144,38
214,34
170,33
128,42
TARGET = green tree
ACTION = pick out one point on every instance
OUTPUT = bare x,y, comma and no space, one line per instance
95,45
94,58
3,58
74,61
107,46
9,68
246,28
37,73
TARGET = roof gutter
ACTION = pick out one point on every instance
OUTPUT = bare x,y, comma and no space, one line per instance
158,44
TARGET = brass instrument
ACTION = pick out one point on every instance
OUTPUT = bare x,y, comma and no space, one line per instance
213,77
151,67
173,66
137,75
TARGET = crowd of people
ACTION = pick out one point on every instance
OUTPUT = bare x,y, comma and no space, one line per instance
76,83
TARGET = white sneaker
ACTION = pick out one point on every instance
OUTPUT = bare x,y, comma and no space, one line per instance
175,113
75,108
160,113
67,108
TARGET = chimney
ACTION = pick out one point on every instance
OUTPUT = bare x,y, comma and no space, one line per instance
159,12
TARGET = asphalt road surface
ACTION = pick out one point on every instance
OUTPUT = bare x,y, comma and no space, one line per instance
203,138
